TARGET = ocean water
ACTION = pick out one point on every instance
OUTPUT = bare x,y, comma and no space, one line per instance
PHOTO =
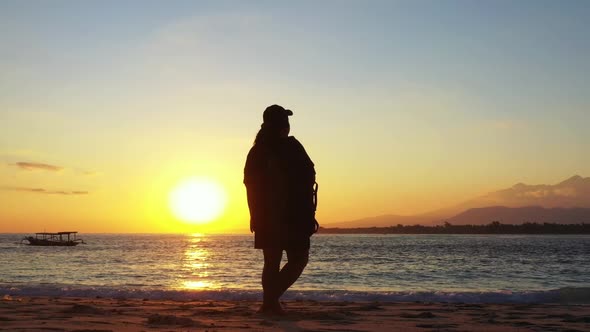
448,268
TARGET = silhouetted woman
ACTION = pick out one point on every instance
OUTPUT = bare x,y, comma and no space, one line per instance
279,178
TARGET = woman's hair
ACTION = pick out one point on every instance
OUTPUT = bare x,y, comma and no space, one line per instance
269,133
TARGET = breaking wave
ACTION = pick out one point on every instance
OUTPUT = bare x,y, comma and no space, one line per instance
568,295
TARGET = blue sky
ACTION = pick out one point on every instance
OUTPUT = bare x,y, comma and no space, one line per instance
401,99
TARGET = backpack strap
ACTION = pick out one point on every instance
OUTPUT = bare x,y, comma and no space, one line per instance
316,187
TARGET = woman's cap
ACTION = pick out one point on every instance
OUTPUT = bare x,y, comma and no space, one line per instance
275,114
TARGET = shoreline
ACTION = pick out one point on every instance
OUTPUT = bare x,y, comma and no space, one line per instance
23,313
561,296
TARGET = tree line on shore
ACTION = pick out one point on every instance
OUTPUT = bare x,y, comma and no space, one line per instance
494,227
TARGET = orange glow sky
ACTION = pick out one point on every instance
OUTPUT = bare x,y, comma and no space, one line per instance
405,107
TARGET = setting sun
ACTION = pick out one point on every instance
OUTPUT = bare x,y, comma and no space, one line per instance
197,200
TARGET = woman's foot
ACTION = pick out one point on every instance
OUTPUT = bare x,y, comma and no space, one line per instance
272,309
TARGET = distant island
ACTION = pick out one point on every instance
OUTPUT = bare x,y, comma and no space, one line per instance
567,202
494,227
563,208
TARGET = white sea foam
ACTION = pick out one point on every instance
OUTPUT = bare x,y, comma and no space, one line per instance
562,296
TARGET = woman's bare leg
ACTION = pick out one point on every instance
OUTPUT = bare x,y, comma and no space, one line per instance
297,260
271,280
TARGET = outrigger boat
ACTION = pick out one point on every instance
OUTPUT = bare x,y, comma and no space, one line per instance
67,239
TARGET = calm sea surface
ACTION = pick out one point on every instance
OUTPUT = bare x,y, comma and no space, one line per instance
467,268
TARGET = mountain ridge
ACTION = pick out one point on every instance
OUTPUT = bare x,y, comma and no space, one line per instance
571,193
521,215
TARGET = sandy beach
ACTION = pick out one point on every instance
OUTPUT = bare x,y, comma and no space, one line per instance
104,314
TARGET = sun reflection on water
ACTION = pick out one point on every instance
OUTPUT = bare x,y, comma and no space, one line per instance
195,265
197,285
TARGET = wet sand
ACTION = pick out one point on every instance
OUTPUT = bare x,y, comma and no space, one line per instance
103,314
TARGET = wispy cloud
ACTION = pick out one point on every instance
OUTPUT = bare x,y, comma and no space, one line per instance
31,166
548,192
45,191
91,173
